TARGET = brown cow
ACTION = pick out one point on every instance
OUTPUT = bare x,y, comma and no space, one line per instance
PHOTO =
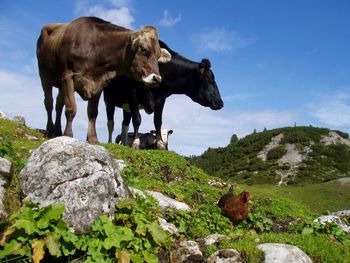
83,56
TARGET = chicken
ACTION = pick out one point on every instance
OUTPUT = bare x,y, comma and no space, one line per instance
234,207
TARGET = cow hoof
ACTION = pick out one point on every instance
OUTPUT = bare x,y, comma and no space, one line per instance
93,140
160,145
136,144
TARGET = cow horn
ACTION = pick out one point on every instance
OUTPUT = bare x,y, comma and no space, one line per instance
165,56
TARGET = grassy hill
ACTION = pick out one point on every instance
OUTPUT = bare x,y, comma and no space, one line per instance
240,161
277,214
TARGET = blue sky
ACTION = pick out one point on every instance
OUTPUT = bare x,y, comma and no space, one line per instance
276,63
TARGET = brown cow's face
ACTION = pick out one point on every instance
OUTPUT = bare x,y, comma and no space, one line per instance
146,55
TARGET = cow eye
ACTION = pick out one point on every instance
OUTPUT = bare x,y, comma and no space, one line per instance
144,51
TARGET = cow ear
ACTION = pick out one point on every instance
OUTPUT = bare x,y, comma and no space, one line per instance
170,132
204,67
135,40
165,56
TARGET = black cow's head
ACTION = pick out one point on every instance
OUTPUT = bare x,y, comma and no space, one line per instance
207,93
146,98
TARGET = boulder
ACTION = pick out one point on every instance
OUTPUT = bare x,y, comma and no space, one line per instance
283,253
225,256
186,251
167,202
6,168
3,213
84,177
334,219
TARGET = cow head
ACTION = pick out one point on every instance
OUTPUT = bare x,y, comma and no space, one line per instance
206,91
146,98
146,53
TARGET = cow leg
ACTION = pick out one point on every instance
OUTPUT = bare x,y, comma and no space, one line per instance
157,119
125,127
110,109
69,102
136,118
59,109
48,102
92,115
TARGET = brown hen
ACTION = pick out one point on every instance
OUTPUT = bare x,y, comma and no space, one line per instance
234,207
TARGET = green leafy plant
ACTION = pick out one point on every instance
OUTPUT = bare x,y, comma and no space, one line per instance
201,222
257,222
33,232
328,228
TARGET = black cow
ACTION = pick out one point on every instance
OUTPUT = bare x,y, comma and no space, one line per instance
179,76
130,98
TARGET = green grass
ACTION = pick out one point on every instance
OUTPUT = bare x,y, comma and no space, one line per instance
317,198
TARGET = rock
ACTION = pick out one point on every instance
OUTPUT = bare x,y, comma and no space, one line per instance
334,138
341,181
334,219
30,137
2,115
6,167
171,228
84,177
19,120
167,202
186,251
283,253
3,213
211,240
217,184
345,213
225,256
136,192
275,141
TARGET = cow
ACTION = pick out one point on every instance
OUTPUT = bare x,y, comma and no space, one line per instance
83,56
130,99
179,76
147,141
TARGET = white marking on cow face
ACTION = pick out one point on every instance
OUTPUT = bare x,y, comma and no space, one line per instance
165,135
152,79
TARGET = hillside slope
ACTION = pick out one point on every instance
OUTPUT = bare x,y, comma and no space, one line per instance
281,156
277,215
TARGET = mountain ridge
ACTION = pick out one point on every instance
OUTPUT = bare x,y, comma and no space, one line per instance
288,155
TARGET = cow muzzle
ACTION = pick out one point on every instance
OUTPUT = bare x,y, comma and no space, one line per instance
152,80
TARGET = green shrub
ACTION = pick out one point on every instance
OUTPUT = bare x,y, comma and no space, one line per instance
276,153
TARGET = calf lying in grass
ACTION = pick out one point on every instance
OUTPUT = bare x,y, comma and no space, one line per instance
146,140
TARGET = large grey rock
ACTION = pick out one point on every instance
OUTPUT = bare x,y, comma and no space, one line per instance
6,167
225,256
283,253
187,251
3,213
84,177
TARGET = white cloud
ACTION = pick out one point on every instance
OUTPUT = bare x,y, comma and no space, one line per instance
219,40
333,109
168,20
115,11
119,16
